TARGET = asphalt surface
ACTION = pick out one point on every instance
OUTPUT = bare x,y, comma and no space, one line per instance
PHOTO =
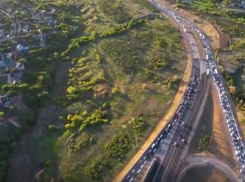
204,161
172,158
171,164
170,155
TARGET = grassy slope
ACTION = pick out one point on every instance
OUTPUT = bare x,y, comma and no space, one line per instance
135,86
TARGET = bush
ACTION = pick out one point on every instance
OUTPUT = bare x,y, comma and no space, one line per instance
204,142
97,168
119,146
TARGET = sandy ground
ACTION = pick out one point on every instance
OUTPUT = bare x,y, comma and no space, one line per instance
221,146
162,123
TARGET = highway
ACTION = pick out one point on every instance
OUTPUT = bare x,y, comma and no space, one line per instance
175,136
166,150
172,158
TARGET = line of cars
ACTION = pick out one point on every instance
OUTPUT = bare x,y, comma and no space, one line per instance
178,120
213,71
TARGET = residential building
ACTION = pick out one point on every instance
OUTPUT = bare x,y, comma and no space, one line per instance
20,66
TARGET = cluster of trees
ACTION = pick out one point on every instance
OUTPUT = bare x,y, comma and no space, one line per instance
119,145
237,95
77,42
84,119
117,148
97,168
204,142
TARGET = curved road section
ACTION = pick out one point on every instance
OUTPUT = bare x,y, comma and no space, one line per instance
204,161
163,144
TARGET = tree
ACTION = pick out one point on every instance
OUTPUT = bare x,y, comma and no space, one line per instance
226,2
22,60
1,114
14,70
5,140
56,55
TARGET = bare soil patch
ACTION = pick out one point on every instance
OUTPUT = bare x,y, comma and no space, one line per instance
205,125
224,38
212,121
221,146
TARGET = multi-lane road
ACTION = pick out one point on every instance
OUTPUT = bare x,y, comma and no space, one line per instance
172,158
170,153
171,143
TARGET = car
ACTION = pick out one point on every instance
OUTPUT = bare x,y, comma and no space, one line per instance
175,144
131,180
183,140
133,171
241,171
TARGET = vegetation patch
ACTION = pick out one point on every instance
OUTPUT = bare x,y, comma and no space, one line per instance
96,90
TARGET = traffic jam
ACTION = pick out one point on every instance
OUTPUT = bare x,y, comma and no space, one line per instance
178,120
213,71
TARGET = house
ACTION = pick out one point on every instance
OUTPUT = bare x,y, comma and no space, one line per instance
25,29
36,16
53,11
17,75
10,37
5,62
16,80
20,48
4,102
1,33
10,55
20,66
